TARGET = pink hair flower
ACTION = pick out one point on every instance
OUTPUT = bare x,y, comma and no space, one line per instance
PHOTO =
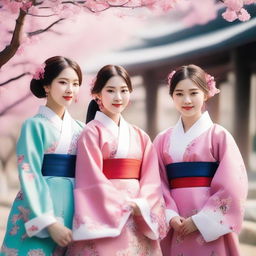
91,84
170,76
39,73
211,83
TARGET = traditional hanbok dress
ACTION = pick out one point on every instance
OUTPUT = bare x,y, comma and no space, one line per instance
116,165
203,177
46,152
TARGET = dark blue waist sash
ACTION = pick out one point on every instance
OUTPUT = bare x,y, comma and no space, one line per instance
191,169
60,165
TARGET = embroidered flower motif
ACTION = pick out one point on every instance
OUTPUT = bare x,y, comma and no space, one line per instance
15,218
78,221
9,251
25,167
52,148
33,228
39,73
223,204
37,252
211,83
200,240
73,144
14,230
24,213
20,159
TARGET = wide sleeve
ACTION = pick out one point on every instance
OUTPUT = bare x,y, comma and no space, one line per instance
171,208
100,209
38,208
152,221
223,211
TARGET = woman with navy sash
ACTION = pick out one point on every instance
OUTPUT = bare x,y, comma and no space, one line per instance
203,175
40,220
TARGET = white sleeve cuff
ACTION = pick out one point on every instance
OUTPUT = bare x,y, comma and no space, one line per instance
145,212
169,214
210,225
37,225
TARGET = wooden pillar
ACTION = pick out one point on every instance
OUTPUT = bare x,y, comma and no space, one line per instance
242,101
151,89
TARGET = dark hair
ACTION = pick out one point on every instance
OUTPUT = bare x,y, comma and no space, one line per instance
192,72
102,78
53,67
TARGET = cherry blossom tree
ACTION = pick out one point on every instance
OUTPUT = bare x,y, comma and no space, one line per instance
63,9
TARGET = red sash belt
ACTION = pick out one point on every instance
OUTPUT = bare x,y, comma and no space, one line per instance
122,168
190,182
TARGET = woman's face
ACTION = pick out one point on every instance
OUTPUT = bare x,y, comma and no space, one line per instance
188,98
63,89
114,97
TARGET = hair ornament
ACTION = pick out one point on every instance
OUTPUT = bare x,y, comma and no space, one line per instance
211,83
39,73
170,76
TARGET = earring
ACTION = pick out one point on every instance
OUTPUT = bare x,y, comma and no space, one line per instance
99,102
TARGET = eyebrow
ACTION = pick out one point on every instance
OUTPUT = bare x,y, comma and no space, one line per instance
67,79
113,87
179,90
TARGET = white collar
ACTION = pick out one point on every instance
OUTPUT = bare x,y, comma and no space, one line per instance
121,133
52,116
64,126
107,122
180,139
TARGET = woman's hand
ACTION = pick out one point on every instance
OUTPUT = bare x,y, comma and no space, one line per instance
60,234
188,226
176,223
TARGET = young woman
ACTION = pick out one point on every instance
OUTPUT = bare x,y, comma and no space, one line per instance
118,199
203,175
41,216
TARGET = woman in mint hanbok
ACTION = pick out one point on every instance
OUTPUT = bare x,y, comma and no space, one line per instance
40,220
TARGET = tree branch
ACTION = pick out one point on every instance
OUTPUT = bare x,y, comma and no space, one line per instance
30,34
15,78
11,49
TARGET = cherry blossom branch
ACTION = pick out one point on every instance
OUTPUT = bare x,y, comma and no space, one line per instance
11,49
30,34
15,78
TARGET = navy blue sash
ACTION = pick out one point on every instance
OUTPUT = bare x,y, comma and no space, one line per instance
191,174
61,165
191,169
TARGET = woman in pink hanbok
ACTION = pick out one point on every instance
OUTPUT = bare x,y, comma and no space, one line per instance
119,208
203,175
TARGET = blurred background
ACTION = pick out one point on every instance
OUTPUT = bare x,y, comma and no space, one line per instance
149,43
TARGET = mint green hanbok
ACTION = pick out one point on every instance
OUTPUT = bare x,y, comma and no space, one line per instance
46,195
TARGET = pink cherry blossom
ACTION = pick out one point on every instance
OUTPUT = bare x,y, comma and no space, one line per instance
229,15
243,15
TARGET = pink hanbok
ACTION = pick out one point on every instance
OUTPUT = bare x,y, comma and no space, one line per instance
103,216
217,208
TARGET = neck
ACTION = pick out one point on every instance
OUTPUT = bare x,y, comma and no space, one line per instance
59,110
114,117
189,121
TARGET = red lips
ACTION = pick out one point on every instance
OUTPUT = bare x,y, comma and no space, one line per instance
187,108
67,97
117,105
